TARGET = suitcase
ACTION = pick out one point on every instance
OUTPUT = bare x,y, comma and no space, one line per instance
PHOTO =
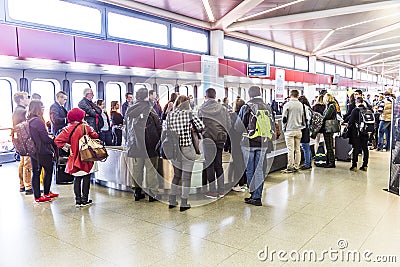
61,176
342,149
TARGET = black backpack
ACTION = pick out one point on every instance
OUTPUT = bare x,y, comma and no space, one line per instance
366,121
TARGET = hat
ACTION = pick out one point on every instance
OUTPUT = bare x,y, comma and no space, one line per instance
76,114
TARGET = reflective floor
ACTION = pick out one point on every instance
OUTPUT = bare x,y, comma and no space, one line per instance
320,217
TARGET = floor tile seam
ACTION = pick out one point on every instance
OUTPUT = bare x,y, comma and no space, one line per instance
240,248
219,264
218,243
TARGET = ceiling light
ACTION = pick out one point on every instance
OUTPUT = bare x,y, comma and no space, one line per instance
208,9
270,10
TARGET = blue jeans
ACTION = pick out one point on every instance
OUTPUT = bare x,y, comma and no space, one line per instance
254,160
307,154
384,129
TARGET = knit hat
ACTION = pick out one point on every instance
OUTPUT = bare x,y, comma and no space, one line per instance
76,114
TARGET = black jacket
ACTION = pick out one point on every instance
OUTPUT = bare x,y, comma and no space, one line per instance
354,120
58,117
93,114
143,130
40,136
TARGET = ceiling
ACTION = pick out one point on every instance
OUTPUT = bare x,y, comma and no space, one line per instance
361,33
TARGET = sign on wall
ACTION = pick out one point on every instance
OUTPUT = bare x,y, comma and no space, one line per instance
279,85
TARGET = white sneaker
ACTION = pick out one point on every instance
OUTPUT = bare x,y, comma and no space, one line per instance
238,188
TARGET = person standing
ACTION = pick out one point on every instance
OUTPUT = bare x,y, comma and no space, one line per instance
127,103
329,114
58,113
305,133
319,107
81,170
216,122
293,120
117,122
357,139
143,131
24,169
169,106
254,149
385,109
93,113
105,134
43,158
156,105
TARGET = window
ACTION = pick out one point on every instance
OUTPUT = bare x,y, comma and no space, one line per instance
137,29
77,91
6,103
349,73
47,90
301,63
259,54
284,59
364,76
115,91
57,13
330,69
235,49
164,91
137,86
320,68
190,40
341,70
183,90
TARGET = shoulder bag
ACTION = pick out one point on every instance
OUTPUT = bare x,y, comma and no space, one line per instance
91,149
196,136
169,143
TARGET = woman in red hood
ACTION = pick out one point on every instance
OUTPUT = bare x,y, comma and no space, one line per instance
69,137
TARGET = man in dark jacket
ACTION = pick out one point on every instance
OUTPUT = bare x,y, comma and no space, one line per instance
217,122
25,169
358,140
143,131
127,103
254,150
58,114
93,112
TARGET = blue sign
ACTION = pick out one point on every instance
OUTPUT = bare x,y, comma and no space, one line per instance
258,70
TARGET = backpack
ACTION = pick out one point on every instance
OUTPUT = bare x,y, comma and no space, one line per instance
315,123
22,139
366,121
320,156
261,122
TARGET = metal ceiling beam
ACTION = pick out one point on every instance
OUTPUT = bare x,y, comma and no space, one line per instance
363,49
254,24
359,38
236,13
158,12
377,61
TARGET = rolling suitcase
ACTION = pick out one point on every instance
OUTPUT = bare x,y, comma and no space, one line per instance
61,176
342,149
320,156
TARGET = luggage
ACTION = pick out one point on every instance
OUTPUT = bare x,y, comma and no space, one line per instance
61,176
342,149
320,156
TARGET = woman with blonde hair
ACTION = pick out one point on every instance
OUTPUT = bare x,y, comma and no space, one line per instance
329,114
180,121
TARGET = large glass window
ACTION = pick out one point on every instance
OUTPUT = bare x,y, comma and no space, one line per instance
56,13
235,49
6,104
164,91
349,73
114,92
341,70
77,91
320,68
301,63
364,76
284,59
260,54
191,40
137,29
330,69
47,90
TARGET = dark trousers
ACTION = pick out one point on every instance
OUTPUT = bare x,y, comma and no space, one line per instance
81,187
237,169
117,137
106,137
45,161
213,164
360,144
330,154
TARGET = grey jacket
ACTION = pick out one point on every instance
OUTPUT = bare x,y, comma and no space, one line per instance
293,116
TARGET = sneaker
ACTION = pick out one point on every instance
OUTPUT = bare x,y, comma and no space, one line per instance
29,192
353,168
51,195
212,195
363,168
254,201
245,187
289,170
86,203
221,194
22,189
305,168
42,199
238,188
78,204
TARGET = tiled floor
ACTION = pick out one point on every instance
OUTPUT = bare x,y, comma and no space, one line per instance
303,212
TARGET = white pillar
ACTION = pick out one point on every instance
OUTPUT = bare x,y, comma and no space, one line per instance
312,64
217,43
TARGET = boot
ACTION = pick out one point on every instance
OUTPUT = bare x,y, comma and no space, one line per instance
184,205
330,164
172,201
139,194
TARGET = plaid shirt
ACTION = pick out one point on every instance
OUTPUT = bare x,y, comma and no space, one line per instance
179,122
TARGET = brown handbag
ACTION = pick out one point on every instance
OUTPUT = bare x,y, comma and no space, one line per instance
91,149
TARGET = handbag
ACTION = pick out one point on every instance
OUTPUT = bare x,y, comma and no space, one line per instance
332,126
196,136
169,143
91,149
345,133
